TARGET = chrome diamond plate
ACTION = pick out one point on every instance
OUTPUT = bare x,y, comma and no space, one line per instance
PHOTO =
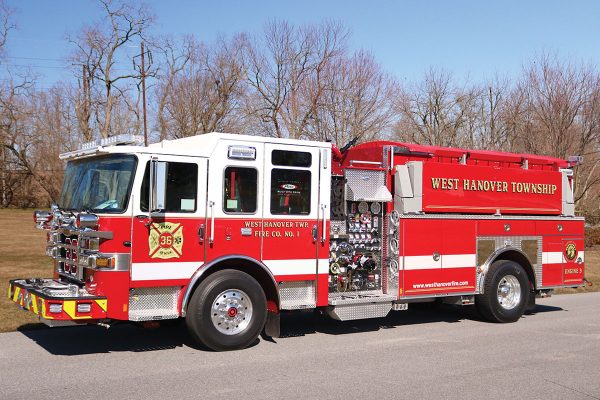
147,304
359,311
297,295
516,243
366,185
338,228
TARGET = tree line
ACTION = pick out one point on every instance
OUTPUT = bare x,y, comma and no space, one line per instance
288,81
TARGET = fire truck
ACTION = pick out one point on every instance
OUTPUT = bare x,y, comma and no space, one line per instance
227,231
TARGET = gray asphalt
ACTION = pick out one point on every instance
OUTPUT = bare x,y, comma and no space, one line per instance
444,353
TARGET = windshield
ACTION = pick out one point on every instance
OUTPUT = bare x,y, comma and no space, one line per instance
98,184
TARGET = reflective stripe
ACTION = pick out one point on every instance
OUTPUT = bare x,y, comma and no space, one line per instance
34,306
459,260
296,267
69,307
420,262
102,304
445,261
16,294
163,270
556,257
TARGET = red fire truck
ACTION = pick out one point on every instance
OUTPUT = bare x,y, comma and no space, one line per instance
227,231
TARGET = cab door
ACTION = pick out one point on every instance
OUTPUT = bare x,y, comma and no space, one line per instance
296,196
234,209
170,246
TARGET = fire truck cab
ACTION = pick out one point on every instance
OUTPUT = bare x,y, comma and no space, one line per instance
227,231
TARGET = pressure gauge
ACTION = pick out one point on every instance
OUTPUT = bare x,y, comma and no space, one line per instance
363,207
375,208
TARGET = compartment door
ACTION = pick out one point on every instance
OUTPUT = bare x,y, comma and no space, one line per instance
573,262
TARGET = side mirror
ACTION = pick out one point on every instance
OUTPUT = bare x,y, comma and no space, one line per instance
158,185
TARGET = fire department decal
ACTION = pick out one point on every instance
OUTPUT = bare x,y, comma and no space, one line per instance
570,251
165,240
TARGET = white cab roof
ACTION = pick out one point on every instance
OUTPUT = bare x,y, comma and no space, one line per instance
199,145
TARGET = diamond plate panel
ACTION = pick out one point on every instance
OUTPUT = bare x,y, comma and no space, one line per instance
362,311
338,228
517,242
366,185
297,295
146,304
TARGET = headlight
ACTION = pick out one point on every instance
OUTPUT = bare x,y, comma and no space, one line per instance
55,308
87,221
84,307
40,217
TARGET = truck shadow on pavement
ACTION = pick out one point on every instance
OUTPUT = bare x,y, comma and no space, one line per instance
422,313
82,340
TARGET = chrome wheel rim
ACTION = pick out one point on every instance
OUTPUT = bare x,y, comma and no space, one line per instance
509,292
231,312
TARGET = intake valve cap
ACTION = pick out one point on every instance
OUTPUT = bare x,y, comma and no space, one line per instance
334,268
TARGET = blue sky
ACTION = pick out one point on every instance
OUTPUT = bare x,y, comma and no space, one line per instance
473,40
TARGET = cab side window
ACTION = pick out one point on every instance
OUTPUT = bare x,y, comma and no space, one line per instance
182,188
240,190
290,188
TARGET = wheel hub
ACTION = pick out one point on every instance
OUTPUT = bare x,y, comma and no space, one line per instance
231,311
509,292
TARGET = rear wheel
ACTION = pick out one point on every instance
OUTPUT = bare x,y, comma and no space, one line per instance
506,292
227,311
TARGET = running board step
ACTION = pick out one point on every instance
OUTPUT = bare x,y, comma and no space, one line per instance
348,308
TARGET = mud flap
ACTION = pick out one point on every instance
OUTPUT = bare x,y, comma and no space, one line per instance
272,325
530,307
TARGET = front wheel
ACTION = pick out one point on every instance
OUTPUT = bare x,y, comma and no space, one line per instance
505,293
227,311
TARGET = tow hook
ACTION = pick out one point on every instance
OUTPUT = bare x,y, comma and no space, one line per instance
588,283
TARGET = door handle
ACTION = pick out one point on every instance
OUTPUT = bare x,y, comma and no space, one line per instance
201,234
314,233
211,240
323,207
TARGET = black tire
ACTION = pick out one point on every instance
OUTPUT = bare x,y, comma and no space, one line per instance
200,313
501,277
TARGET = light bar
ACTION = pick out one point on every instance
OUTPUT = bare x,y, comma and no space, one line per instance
241,153
575,160
115,141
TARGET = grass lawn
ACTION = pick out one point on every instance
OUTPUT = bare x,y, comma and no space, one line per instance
23,256
23,250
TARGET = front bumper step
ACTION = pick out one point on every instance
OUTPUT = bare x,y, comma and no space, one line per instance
55,302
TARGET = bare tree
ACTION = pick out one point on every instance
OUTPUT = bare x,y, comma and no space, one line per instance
555,96
205,93
38,125
356,101
174,59
286,72
6,24
100,46
435,112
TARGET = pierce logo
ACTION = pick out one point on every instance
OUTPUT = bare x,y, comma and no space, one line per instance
570,251
165,240
288,186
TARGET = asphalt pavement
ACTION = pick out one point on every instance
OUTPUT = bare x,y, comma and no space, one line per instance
422,353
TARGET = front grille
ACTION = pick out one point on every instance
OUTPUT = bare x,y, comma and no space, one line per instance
68,254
